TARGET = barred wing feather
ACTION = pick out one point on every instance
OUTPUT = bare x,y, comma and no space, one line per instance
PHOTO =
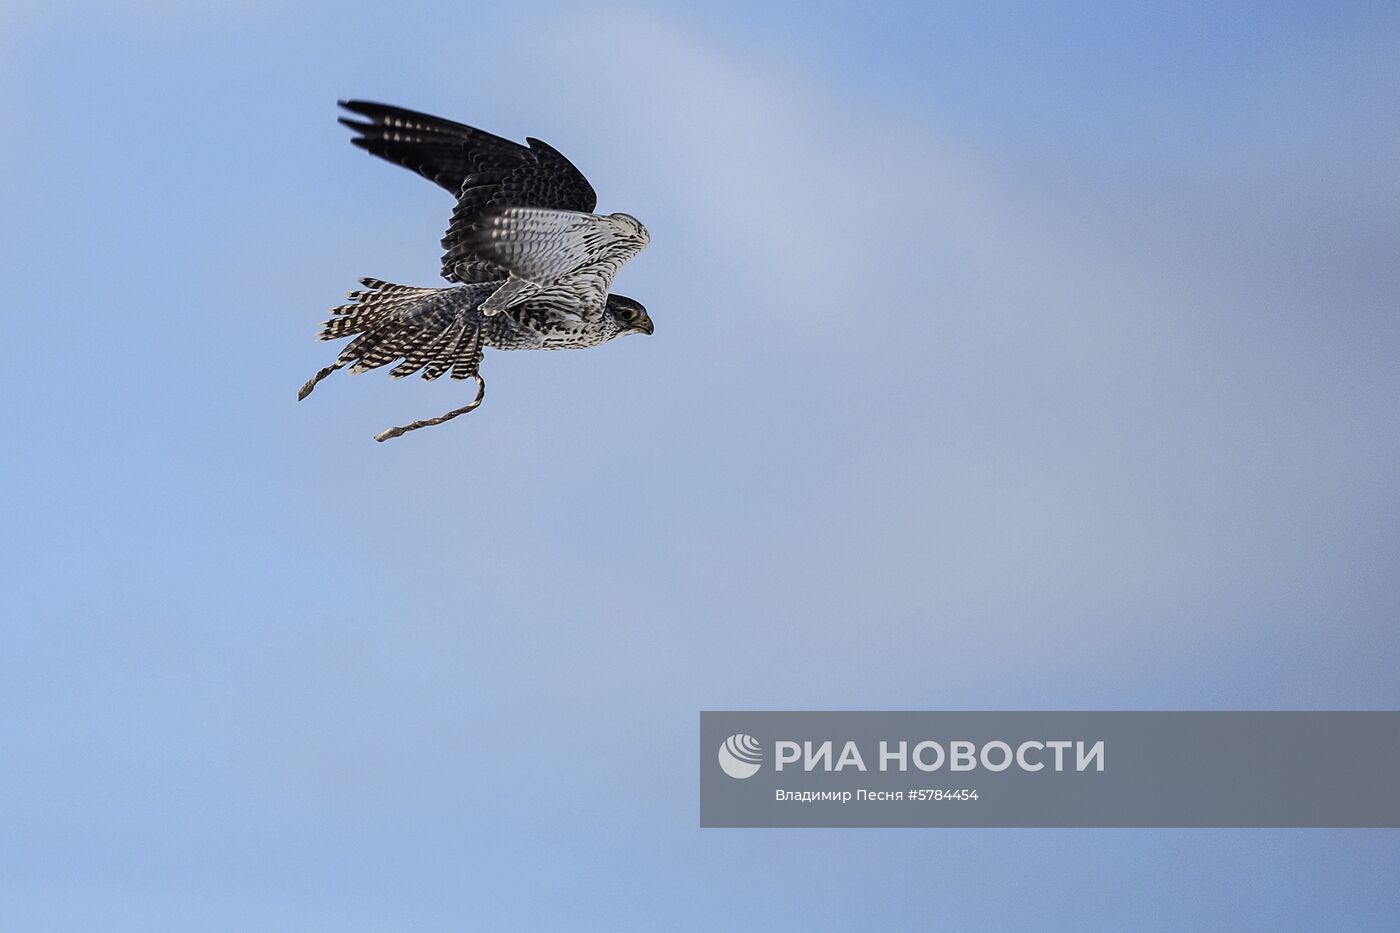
553,254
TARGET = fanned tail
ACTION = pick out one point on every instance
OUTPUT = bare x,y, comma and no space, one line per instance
431,329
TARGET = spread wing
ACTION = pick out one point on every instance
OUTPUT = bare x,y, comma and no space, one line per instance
484,172
566,257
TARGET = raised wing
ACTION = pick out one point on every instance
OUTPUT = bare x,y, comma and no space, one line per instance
442,151
567,256
484,172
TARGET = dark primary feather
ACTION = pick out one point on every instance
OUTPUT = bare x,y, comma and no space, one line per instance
442,151
482,170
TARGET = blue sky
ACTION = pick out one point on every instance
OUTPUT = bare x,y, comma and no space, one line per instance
1007,356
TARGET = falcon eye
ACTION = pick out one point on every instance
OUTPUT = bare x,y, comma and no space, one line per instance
629,314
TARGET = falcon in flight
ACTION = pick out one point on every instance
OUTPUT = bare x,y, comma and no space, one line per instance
533,265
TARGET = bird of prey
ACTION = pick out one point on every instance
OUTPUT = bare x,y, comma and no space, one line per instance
533,265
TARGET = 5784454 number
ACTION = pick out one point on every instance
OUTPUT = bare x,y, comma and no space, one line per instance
940,794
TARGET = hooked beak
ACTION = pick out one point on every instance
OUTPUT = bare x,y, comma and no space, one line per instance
646,326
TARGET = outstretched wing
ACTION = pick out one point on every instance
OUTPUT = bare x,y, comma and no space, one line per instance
566,256
484,172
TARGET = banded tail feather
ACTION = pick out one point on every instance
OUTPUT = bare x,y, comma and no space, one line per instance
435,330
432,330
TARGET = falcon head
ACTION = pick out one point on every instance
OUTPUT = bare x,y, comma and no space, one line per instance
630,315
